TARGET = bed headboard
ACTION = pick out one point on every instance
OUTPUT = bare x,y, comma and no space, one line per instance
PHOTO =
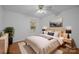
60,30
53,29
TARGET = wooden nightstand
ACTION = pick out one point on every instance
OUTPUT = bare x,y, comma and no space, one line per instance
70,43
68,40
69,47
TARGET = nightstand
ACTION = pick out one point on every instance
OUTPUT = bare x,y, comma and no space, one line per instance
68,40
69,47
69,43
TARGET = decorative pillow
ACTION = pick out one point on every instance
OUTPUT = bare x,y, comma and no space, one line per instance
51,33
56,34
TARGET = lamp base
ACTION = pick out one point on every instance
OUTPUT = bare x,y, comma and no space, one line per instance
68,36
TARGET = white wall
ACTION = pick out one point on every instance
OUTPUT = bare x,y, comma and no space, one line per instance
71,18
1,17
21,23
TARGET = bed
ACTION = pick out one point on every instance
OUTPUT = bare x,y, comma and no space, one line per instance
42,45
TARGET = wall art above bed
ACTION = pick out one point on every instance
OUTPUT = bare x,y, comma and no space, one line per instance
56,23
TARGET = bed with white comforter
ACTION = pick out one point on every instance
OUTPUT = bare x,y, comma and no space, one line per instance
42,45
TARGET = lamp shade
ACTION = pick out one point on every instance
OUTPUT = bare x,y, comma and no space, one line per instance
68,29
44,28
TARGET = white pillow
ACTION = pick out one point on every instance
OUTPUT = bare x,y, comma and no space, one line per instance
56,34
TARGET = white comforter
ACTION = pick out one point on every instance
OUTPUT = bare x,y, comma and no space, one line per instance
43,45
40,41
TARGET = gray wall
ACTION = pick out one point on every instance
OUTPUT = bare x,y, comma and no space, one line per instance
71,18
21,23
45,21
1,17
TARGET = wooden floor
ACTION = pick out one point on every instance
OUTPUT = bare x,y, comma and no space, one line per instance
14,49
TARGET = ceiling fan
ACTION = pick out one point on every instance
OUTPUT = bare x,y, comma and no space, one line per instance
41,9
40,6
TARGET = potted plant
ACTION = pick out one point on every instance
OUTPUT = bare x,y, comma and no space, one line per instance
10,31
0,34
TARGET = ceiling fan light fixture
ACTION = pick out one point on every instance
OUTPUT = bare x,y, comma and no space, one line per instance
41,9
40,6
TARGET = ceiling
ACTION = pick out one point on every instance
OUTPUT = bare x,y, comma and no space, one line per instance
30,10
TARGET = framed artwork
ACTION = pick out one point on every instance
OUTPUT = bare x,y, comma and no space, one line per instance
57,23
33,25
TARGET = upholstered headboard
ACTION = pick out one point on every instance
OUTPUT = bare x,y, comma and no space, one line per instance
53,29
60,30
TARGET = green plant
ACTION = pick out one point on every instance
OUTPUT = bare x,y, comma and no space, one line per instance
0,34
9,30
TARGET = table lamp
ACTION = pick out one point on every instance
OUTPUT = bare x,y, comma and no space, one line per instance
68,31
44,29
